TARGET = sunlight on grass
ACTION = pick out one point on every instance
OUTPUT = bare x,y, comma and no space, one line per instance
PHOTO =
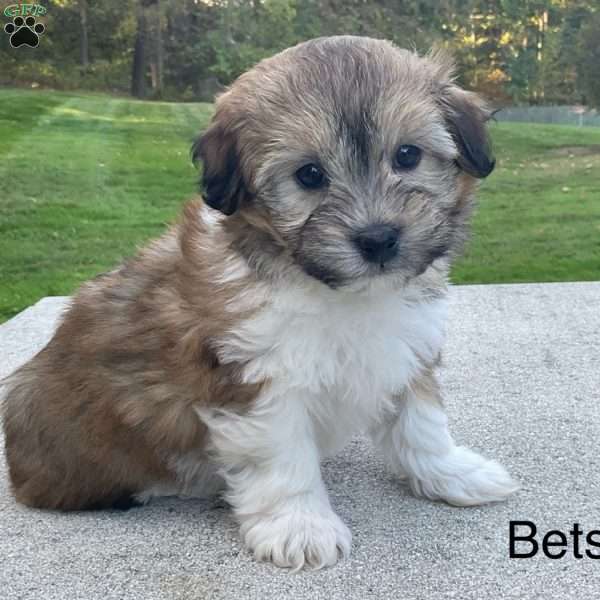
90,116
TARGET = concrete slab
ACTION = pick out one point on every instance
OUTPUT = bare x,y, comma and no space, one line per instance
522,381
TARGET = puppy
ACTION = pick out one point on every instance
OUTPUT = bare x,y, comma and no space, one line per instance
302,302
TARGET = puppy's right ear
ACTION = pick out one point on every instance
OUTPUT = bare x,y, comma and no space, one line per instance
222,179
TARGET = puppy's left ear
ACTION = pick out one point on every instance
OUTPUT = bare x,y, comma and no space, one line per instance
222,179
466,116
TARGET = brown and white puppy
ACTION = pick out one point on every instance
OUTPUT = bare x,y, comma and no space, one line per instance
302,303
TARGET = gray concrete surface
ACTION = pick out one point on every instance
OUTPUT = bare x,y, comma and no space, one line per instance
521,374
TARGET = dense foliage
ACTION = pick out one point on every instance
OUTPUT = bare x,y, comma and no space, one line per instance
523,51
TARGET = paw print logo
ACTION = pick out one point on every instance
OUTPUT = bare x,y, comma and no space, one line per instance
24,32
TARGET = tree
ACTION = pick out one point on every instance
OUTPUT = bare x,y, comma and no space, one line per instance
588,70
542,51
139,65
84,43
157,63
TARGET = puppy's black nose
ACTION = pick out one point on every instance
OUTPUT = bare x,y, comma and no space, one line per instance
378,243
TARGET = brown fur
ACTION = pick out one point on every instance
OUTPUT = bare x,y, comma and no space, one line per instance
98,413
95,414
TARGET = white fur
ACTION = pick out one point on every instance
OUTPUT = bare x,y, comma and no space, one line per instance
345,354
336,364
419,448
275,486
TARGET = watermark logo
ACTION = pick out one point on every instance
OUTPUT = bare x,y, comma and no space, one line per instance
24,29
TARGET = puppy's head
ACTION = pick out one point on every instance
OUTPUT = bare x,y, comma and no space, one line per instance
352,160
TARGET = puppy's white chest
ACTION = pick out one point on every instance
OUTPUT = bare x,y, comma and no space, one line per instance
340,356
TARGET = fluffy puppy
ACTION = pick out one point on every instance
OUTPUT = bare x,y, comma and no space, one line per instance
302,303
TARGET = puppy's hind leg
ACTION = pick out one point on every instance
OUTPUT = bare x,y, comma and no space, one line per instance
419,448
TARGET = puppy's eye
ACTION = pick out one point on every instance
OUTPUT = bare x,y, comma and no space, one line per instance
311,176
407,157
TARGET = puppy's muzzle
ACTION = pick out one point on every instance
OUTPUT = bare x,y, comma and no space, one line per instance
378,243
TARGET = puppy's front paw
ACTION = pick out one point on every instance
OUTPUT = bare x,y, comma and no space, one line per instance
463,478
298,535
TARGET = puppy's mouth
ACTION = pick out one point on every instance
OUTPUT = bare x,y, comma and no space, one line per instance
336,280
372,272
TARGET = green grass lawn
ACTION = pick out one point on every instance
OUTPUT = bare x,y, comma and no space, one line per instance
84,179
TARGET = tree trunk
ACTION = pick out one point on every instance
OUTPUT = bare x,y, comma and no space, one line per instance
159,51
84,43
157,60
138,73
